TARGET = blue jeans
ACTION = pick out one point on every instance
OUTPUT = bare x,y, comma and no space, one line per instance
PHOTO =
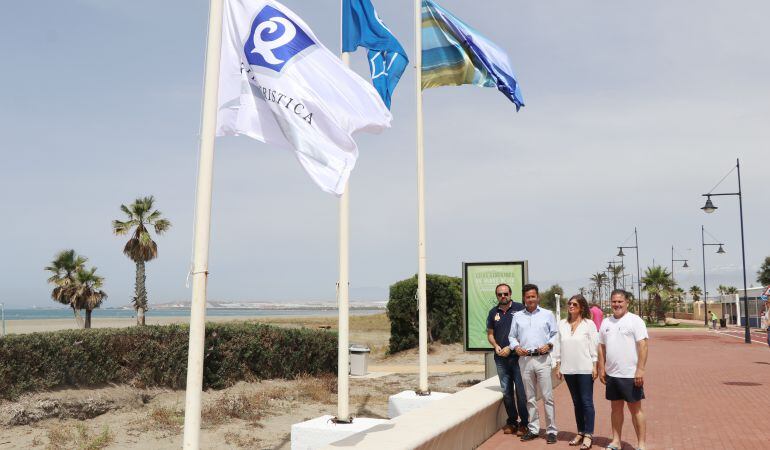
581,387
510,377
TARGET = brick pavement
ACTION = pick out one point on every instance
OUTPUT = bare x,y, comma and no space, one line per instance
704,390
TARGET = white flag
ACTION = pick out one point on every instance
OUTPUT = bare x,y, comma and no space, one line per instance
278,84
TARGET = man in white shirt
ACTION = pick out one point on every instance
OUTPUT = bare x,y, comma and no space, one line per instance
533,332
622,357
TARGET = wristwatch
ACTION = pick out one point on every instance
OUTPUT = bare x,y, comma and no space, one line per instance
550,346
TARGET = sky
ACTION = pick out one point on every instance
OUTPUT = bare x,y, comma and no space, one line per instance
633,110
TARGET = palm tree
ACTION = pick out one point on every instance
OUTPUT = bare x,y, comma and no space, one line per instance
87,293
64,269
727,290
599,279
140,248
695,292
657,281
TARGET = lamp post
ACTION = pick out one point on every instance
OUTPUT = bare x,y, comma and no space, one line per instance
710,208
703,251
672,264
638,274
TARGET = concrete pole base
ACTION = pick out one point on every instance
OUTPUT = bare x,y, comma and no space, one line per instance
406,401
322,431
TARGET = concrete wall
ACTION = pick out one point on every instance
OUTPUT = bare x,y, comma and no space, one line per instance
461,421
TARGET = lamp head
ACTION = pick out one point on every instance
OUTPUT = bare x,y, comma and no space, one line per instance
709,206
620,253
720,250
685,265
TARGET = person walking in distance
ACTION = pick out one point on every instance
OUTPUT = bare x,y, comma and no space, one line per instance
532,337
713,321
507,362
576,355
622,358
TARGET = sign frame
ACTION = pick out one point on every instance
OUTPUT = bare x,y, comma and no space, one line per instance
516,295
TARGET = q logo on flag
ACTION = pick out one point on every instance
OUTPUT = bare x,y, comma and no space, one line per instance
274,40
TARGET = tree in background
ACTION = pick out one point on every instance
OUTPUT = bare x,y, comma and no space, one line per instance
548,297
695,292
64,269
87,293
658,284
763,275
727,290
599,279
445,317
140,248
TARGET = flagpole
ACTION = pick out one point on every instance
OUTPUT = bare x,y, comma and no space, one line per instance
194,387
421,259
343,286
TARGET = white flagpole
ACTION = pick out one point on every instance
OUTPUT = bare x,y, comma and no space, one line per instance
343,357
343,335
422,303
192,416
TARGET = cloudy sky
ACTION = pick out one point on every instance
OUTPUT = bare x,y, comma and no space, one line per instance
634,109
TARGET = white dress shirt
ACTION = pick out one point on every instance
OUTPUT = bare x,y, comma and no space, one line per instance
576,352
532,330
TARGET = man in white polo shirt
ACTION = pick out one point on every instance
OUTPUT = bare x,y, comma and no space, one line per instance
622,358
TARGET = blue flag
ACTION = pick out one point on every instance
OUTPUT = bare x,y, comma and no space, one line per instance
387,59
453,53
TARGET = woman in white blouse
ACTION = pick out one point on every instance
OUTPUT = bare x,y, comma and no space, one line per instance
575,353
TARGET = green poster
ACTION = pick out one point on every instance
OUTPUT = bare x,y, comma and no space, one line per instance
479,282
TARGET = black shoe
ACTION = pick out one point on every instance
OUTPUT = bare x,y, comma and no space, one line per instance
550,438
529,436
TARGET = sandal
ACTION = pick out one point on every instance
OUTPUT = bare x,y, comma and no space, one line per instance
578,439
612,447
588,442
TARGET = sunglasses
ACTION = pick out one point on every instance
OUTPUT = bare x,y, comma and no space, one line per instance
573,304
503,294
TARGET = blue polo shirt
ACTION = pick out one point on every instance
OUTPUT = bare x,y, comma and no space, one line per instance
500,322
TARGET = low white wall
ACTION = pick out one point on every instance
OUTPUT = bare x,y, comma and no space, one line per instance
461,421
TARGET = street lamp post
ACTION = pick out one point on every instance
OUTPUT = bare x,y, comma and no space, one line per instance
638,273
672,264
703,251
710,208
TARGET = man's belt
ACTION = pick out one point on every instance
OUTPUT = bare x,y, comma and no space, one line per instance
536,353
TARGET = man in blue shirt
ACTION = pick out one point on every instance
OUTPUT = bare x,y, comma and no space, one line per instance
533,332
506,361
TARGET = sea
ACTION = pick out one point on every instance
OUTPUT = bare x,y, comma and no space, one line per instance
65,313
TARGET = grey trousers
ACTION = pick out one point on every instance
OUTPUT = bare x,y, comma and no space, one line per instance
536,374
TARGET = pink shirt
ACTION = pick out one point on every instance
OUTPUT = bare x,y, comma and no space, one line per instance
597,315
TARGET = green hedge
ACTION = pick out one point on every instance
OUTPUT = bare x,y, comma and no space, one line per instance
445,320
157,356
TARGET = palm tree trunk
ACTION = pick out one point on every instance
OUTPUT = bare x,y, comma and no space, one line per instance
88,319
140,299
78,318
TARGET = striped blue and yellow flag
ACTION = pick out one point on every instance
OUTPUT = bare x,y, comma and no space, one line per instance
453,53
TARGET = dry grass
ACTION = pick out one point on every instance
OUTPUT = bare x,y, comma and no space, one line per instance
165,419
369,322
80,438
240,406
321,389
468,383
240,441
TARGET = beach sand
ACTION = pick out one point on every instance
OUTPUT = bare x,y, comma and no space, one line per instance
253,415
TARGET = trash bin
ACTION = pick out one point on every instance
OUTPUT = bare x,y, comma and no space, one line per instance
722,323
358,359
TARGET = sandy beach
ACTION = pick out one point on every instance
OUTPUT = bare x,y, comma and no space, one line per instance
256,414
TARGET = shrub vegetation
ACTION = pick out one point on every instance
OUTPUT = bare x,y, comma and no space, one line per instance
157,356
445,319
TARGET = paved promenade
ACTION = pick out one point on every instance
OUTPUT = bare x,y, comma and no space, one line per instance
705,390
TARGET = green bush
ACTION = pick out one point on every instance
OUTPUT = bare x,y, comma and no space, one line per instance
445,319
157,356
